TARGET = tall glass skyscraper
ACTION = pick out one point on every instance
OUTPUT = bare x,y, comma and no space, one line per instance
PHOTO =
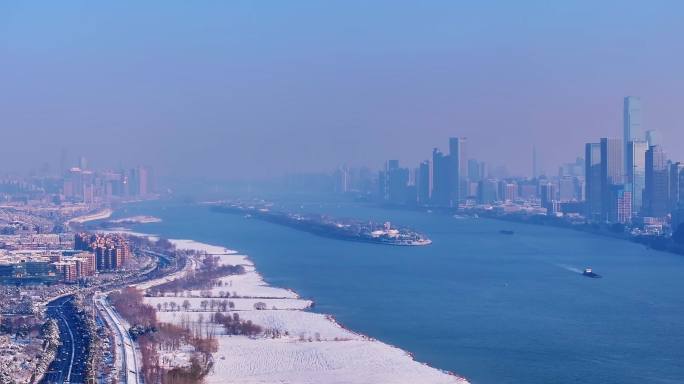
440,179
633,129
592,158
636,172
423,182
458,173
612,171
657,190
653,137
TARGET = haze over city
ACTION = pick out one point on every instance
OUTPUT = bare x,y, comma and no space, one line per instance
251,90
341,192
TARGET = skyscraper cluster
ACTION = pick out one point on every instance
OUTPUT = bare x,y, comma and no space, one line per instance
631,179
85,185
627,180
452,180
442,182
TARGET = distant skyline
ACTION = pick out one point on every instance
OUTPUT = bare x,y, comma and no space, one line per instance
243,89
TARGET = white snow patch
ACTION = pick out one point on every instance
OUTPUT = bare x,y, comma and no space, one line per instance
250,361
193,245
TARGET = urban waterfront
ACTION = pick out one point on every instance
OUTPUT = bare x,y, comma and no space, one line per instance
494,308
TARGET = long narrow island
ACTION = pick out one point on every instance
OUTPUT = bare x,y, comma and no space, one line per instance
322,225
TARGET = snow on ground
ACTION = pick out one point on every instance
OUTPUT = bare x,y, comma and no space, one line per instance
250,361
180,358
193,245
301,325
251,284
248,284
226,256
137,220
124,231
341,356
298,324
99,215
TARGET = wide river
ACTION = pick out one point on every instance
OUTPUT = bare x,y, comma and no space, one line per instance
494,308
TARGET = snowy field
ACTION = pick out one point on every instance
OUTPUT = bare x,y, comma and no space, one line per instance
100,215
313,348
246,361
249,284
298,324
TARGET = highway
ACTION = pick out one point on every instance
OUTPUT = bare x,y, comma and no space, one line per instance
128,357
69,366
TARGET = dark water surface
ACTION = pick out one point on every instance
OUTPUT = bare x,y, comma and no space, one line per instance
494,308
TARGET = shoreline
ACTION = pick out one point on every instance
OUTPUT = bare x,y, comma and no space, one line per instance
331,353
99,215
657,243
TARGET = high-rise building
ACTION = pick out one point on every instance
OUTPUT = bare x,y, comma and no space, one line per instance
612,171
510,192
423,182
631,121
458,172
487,191
677,193
384,179
474,170
592,159
341,180
383,188
620,203
547,193
612,167
567,189
397,181
636,172
440,178
657,189
137,182
653,138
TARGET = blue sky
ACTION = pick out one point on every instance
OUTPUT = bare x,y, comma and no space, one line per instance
238,89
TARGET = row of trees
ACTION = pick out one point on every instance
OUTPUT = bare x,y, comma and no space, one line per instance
213,305
233,325
129,303
204,279
154,337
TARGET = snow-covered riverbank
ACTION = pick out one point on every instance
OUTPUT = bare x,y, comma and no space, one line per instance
136,220
310,347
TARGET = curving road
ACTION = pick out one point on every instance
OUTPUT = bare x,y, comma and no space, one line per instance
129,359
69,366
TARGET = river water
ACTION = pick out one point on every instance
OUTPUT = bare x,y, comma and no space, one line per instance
494,308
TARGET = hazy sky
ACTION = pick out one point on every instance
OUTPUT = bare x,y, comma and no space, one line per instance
234,89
